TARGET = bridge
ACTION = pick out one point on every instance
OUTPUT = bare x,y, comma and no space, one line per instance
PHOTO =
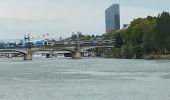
75,49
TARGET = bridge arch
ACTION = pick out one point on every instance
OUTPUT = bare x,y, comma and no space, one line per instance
19,51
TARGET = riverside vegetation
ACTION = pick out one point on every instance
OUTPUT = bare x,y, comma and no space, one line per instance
144,38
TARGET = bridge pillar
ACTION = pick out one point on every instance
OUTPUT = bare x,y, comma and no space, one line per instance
9,55
28,56
76,55
49,55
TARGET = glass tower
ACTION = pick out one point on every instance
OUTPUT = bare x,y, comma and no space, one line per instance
112,18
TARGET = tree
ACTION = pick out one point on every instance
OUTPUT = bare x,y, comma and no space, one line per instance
119,41
127,51
162,33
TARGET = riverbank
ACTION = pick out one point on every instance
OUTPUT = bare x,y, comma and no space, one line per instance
163,57
149,57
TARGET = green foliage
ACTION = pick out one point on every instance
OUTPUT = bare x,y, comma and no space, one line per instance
162,33
119,40
82,37
141,30
144,36
140,35
116,52
138,51
127,51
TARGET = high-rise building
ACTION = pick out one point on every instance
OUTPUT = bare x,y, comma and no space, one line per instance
112,18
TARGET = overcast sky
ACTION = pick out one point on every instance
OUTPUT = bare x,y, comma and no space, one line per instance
62,17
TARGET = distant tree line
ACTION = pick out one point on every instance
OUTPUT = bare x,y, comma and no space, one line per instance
84,37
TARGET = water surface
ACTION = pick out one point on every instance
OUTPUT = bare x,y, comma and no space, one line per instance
84,79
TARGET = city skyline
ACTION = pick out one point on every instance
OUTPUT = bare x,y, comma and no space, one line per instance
62,17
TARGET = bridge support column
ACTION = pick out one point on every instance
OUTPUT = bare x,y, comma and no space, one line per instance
48,55
76,55
28,56
9,55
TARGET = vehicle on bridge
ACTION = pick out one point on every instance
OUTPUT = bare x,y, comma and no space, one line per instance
3,44
23,44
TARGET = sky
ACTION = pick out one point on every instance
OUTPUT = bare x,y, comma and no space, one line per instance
63,17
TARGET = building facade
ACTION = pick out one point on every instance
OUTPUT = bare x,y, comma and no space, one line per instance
112,18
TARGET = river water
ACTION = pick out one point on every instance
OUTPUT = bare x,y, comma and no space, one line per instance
84,79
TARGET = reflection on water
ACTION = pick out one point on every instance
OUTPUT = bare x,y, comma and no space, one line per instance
84,79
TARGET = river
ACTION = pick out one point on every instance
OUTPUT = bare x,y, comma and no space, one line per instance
84,79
